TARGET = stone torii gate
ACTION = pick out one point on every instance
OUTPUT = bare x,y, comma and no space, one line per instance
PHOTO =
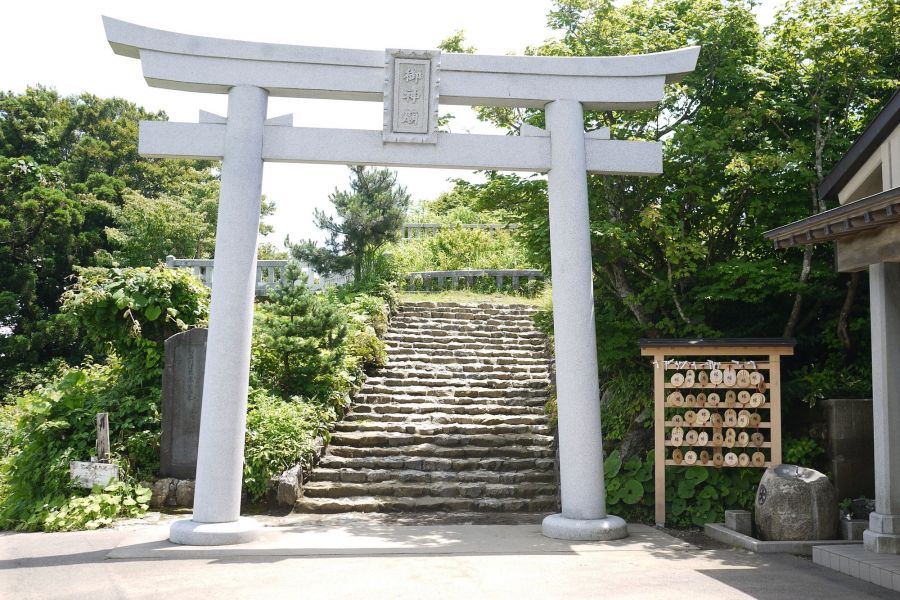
411,83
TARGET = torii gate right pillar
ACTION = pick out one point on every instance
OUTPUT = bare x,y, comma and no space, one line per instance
583,515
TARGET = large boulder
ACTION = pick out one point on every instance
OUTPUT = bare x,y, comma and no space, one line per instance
795,503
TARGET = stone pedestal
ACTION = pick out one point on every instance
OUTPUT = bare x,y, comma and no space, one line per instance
582,491
883,534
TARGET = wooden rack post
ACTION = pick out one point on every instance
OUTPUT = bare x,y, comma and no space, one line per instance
682,402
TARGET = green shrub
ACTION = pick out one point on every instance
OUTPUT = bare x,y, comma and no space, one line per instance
134,310
455,248
280,434
801,451
99,508
299,342
56,424
694,495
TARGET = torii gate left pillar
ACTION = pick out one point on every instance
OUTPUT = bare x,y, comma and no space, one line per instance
407,82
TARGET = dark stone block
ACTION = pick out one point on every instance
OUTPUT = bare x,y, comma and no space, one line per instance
851,450
182,396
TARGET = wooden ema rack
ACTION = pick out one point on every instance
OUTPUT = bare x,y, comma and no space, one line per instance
717,404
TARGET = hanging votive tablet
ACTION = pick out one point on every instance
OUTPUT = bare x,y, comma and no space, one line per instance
743,460
743,378
677,379
757,400
715,376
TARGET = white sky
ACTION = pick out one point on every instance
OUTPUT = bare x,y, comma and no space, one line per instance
62,45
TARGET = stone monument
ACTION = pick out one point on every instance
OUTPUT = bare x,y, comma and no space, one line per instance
795,504
411,84
182,397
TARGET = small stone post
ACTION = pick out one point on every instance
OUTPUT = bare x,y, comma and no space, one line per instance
883,534
220,454
583,492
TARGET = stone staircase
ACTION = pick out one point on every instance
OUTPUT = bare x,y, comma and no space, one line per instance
453,423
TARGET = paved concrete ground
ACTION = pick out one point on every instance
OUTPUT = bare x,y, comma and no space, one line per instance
364,558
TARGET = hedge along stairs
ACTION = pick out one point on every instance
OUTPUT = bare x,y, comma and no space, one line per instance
453,423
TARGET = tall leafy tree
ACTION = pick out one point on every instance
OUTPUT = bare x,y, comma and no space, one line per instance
370,215
67,165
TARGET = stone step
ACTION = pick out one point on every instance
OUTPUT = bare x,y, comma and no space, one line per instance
484,309
440,489
406,463
467,332
425,504
467,363
510,325
500,356
468,305
450,391
437,451
404,476
392,439
439,428
466,366
387,406
456,383
449,340
441,418
463,316
443,348
366,398
422,375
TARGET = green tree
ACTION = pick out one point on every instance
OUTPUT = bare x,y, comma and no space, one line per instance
298,344
370,215
67,165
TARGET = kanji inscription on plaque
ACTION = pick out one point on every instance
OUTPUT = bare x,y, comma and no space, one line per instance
411,94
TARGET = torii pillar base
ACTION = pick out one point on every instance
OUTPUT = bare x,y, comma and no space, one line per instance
589,530
192,533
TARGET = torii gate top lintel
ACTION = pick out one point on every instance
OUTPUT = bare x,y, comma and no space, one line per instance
212,65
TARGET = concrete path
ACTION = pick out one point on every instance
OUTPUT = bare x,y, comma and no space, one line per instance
376,560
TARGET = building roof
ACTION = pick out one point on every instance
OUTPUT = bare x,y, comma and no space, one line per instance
841,222
881,126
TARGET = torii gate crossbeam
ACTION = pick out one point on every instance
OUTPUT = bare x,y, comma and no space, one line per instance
411,84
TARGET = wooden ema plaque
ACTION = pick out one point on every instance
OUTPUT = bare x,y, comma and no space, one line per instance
717,404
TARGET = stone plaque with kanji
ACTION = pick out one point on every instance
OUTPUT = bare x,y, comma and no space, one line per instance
411,96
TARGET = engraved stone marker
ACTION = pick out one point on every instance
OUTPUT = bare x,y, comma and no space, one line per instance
182,394
411,96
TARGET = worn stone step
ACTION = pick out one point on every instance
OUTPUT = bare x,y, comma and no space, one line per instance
424,504
400,462
449,391
422,375
457,317
446,401
465,333
467,369
404,476
413,489
508,353
437,451
413,343
394,439
465,360
441,418
491,384
387,406
439,428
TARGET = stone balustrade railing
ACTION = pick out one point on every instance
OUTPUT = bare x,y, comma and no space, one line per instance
416,231
271,272
512,279
268,273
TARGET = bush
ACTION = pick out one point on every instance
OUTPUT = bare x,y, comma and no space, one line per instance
56,424
118,499
694,495
455,248
299,342
280,434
